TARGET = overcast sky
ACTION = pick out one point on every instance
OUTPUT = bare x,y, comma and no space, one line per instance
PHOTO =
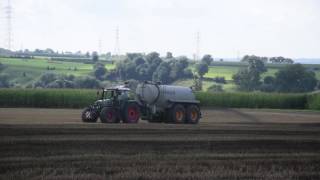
289,28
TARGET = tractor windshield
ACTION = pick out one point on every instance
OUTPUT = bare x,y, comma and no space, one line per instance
109,94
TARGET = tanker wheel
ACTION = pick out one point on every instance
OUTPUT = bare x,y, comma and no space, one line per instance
109,115
131,113
89,115
193,114
178,114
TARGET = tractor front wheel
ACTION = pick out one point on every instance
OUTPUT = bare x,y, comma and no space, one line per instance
89,115
109,115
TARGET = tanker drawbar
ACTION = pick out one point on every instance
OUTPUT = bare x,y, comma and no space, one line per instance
151,101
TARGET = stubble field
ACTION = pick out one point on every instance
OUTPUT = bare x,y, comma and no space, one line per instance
227,144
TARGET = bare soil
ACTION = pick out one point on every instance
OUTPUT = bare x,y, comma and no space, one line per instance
226,144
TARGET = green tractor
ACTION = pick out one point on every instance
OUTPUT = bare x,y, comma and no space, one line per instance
113,106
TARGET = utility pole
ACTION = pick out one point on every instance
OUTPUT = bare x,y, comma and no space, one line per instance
8,17
238,56
100,46
197,55
117,43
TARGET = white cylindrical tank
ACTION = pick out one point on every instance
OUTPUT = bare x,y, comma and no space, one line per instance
161,95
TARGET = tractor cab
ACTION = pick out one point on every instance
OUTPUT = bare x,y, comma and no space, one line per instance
115,93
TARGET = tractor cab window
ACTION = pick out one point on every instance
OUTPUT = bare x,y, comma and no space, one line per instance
123,95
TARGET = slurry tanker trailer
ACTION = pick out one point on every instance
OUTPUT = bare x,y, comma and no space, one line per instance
153,102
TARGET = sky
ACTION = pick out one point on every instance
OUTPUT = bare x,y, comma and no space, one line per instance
227,28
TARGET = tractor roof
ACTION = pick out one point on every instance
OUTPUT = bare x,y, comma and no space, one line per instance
119,88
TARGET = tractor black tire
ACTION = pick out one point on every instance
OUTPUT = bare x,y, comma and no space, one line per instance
178,114
193,114
131,113
109,115
89,115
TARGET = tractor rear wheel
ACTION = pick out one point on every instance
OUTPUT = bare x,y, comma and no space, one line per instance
193,114
89,115
178,114
131,113
109,115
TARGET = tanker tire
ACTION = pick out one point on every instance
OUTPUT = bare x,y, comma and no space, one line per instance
108,115
89,115
131,113
178,114
193,114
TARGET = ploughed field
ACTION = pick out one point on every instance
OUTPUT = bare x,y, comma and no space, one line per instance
226,144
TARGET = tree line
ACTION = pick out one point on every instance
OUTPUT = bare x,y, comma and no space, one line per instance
151,67
275,60
291,78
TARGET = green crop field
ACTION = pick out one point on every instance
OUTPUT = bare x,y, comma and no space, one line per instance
77,98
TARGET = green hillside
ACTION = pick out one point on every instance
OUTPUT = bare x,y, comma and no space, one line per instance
33,68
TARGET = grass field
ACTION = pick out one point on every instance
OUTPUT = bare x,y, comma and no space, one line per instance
227,144
229,71
35,67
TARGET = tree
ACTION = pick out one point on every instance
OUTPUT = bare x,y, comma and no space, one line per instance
48,78
249,79
197,83
4,81
215,88
245,80
133,56
281,60
178,67
162,73
95,57
248,58
269,80
153,60
256,66
268,84
169,55
202,69
87,82
139,61
207,59
295,78
318,85
99,70
152,67
1,66
87,54
142,71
